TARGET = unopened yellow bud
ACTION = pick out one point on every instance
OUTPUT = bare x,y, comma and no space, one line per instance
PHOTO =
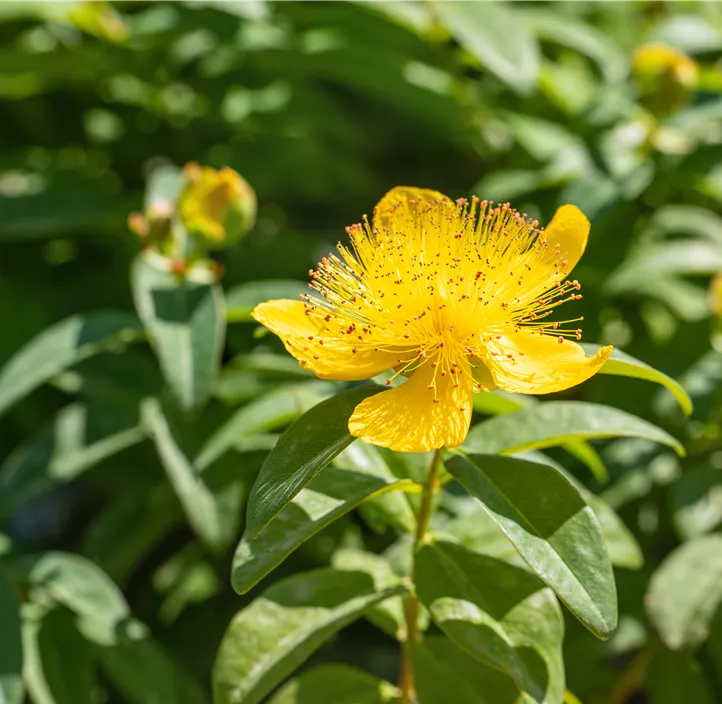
666,76
216,205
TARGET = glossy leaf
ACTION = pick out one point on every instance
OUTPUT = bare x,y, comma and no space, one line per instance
556,422
60,346
242,299
482,29
622,364
685,592
79,437
444,673
308,445
339,684
186,323
11,653
200,504
330,495
279,630
498,613
58,667
551,526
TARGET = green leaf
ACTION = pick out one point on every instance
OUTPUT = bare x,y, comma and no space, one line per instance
677,677
58,667
59,347
330,495
279,630
622,364
313,441
204,511
389,508
696,500
79,437
685,591
144,673
242,299
340,684
389,615
11,653
272,410
565,29
555,532
186,323
81,586
484,30
498,613
444,673
556,422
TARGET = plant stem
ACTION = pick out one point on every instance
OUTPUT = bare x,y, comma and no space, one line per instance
423,519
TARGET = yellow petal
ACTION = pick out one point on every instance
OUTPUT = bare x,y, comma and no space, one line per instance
327,354
569,229
396,206
406,419
529,363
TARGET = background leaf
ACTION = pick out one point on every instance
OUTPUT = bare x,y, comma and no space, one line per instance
185,321
11,654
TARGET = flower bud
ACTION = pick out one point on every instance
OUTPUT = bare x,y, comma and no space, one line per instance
666,76
216,205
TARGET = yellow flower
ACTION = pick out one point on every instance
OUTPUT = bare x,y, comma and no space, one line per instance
216,204
666,76
455,295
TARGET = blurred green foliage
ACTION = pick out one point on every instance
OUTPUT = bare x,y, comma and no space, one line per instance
322,107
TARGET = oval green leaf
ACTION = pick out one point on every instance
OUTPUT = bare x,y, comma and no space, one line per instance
500,614
186,324
306,447
60,346
279,630
557,422
622,364
685,592
552,528
483,30
329,496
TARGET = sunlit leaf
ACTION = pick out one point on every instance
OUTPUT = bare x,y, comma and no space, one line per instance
313,441
59,347
557,422
498,613
622,364
280,629
186,323
483,29
330,495
685,591
552,528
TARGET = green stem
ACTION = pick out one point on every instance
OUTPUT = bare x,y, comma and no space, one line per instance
413,635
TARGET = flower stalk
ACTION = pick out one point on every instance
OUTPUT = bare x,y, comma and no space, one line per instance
413,635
